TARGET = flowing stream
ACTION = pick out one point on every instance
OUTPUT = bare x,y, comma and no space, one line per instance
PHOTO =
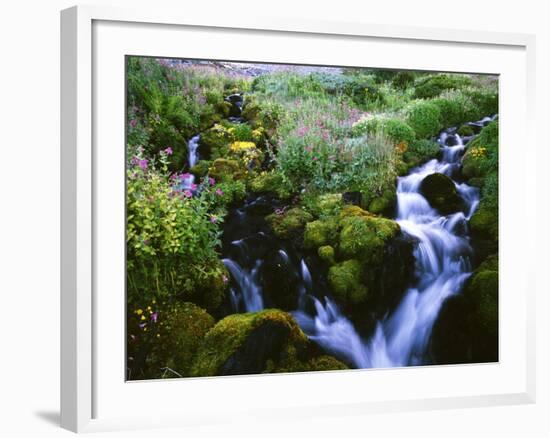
442,253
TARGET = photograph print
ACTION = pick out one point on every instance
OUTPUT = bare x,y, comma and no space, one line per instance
298,218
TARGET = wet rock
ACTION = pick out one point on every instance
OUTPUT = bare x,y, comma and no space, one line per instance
440,191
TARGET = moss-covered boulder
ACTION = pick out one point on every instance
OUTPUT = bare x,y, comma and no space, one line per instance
325,205
481,157
214,142
440,191
364,237
183,328
345,278
465,131
223,169
270,182
327,254
467,327
290,223
384,204
201,168
251,343
319,233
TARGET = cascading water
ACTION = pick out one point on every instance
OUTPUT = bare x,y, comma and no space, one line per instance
188,179
442,266
442,257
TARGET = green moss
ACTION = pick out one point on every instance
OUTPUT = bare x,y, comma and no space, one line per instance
290,223
481,157
465,131
425,119
183,329
383,204
441,193
364,238
482,289
223,169
345,279
354,211
215,141
201,168
228,335
319,233
326,253
270,182
325,363
484,223
323,206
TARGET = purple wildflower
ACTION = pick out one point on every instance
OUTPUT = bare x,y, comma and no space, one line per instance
133,123
168,151
188,194
219,192
143,163
154,316
142,325
213,219
211,181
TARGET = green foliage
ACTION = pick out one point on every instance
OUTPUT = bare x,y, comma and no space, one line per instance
172,238
326,253
228,336
433,85
166,344
167,106
424,117
403,79
364,237
481,158
346,282
289,223
319,233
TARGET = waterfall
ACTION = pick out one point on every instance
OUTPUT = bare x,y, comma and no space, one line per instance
442,266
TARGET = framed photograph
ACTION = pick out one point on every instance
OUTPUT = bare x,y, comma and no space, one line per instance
287,218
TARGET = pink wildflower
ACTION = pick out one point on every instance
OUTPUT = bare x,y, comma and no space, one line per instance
133,123
168,151
187,194
154,316
213,219
211,181
219,192
143,163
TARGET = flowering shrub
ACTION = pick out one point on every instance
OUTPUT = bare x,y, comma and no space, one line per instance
171,240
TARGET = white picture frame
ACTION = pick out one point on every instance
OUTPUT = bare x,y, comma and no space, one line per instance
85,356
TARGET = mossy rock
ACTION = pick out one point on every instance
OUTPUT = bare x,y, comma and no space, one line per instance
201,168
325,363
364,237
319,233
290,223
484,224
384,204
214,142
466,330
440,191
465,131
327,254
354,211
345,278
209,286
270,182
223,169
184,326
325,205
251,343
483,291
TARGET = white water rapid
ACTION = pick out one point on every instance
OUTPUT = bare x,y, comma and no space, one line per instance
442,266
